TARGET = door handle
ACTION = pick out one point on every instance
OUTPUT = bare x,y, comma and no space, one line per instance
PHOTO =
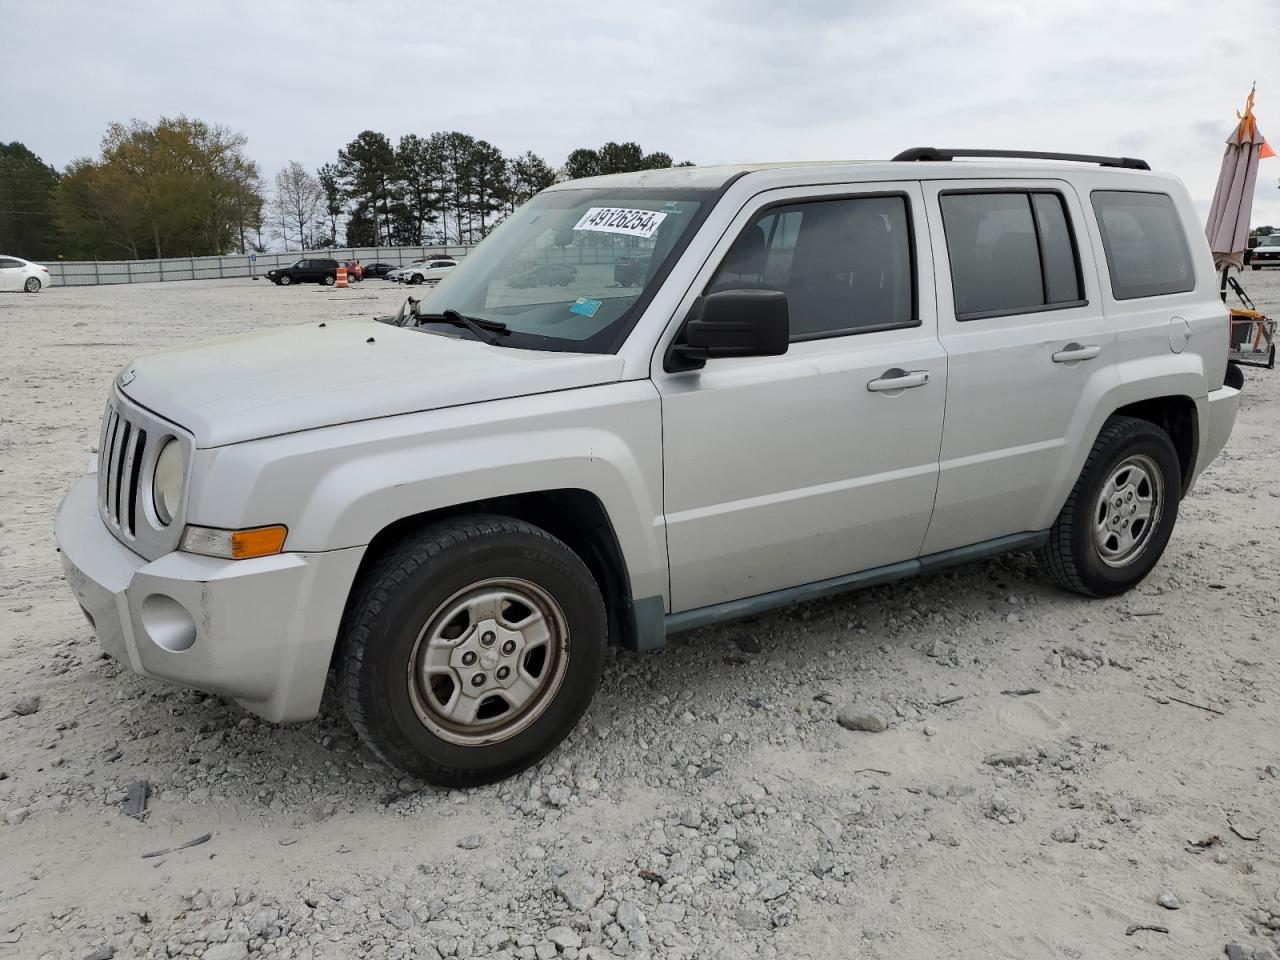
1075,352
896,378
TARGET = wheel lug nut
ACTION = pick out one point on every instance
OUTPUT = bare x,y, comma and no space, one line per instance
468,658
488,637
504,672
477,680
508,648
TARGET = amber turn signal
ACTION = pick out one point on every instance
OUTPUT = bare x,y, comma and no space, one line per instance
234,544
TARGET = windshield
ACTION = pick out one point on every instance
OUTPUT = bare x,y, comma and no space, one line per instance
1272,240
572,269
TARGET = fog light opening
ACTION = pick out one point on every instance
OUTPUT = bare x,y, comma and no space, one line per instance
167,623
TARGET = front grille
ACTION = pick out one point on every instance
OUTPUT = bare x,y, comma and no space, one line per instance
124,444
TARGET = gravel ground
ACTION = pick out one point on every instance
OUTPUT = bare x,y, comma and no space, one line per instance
1054,770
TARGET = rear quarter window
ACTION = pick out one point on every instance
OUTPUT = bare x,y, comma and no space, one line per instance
1144,243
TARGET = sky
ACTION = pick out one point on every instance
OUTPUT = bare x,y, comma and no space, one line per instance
712,81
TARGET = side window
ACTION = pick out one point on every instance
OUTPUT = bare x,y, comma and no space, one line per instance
6,263
846,266
1146,250
1010,253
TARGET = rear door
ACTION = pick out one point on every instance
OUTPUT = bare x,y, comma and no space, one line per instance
1030,351
789,470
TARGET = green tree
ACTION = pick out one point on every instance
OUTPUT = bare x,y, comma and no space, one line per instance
614,158
422,175
529,174
179,188
28,226
490,186
333,198
369,174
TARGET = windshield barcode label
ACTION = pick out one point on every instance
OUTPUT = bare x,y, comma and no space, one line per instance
631,223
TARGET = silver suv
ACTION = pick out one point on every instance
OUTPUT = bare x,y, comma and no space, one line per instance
828,376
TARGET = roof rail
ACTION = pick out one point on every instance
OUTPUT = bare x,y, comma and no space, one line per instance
933,153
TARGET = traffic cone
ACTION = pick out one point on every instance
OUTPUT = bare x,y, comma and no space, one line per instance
342,277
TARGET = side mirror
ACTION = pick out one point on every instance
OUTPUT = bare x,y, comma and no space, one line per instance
732,323
1253,242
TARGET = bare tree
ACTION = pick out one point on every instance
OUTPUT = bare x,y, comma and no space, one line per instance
298,204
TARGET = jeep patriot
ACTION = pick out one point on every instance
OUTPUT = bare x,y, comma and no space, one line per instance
830,375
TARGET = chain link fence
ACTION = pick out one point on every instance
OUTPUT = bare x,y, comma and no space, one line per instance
88,272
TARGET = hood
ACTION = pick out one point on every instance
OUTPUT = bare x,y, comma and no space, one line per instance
263,384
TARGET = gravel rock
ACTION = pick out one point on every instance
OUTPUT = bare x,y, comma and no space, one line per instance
472,841
25,706
629,916
233,950
16,815
579,889
1010,758
564,937
857,716
1169,901
1065,833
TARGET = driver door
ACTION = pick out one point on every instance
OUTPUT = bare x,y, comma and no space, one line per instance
796,469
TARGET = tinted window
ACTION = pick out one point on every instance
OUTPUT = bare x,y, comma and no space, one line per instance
1146,251
1009,253
1058,253
6,263
845,265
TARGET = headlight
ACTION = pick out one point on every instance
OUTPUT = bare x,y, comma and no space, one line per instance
166,482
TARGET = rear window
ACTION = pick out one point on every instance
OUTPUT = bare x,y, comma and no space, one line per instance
1146,250
1010,252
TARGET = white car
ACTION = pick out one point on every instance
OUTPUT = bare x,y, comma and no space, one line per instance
19,274
430,271
833,376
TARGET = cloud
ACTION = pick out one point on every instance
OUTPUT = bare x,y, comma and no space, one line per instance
711,81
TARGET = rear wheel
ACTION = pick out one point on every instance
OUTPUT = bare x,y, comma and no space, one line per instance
1120,514
32,285
471,649
328,279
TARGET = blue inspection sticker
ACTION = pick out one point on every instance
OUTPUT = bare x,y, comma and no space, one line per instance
584,307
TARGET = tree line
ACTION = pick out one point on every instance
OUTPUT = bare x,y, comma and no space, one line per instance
183,187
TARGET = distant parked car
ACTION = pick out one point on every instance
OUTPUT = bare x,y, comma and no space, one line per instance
307,270
419,268
19,274
354,270
1266,253
631,271
378,269
431,272
546,275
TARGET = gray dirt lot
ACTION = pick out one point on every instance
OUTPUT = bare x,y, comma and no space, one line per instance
709,805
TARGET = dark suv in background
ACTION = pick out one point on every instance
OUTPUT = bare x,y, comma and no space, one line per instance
306,270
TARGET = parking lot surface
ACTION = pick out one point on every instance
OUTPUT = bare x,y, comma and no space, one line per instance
1052,768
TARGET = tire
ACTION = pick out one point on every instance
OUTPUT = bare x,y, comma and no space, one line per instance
284,280
1101,549
329,279
32,285
1256,267
416,279
417,612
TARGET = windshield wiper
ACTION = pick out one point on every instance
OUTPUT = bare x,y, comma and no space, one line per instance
482,328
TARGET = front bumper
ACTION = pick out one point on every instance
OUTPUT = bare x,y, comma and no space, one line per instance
258,631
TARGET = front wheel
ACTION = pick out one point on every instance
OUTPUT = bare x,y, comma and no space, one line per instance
32,285
471,649
1120,514
285,280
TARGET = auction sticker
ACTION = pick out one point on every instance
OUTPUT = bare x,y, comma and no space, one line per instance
630,223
